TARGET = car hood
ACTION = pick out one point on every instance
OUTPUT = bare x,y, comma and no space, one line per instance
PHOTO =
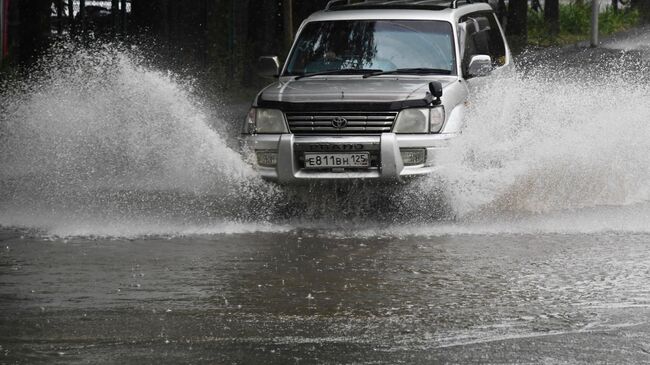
329,90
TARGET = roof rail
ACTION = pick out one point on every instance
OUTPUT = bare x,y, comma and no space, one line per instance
453,5
332,3
335,3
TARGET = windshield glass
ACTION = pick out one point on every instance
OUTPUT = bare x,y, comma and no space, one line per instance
373,45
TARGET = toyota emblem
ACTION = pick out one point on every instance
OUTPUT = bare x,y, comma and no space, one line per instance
339,122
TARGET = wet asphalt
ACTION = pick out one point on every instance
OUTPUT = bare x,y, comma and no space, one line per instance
301,297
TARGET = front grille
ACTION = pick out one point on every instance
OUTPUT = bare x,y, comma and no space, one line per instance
357,123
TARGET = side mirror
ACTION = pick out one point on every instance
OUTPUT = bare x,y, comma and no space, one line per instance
479,65
435,88
268,66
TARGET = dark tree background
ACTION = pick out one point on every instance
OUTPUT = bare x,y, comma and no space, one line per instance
517,29
552,16
29,27
222,38
644,8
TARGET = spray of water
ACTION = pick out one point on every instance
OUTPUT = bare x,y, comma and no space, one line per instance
92,139
95,143
555,139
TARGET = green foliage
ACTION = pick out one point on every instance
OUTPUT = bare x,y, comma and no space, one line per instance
575,18
615,21
537,29
575,24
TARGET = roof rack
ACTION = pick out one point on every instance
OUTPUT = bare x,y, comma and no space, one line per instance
333,3
454,3
413,4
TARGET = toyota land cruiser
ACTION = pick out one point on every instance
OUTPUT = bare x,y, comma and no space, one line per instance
372,89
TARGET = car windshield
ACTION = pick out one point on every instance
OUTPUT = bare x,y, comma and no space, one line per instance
382,45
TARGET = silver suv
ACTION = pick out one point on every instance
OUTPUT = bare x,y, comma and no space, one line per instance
372,89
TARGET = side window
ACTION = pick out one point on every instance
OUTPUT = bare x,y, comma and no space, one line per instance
479,34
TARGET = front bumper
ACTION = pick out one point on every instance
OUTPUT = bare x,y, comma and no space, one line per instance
385,147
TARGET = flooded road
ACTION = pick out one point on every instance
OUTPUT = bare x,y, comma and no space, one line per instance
303,297
139,235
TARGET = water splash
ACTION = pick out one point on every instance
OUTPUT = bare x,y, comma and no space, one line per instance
555,138
91,127
100,117
94,142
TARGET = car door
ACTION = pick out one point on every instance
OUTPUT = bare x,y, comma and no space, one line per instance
480,34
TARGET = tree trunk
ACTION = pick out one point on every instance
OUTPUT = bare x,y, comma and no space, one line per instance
502,13
123,16
82,16
114,14
552,16
3,18
33,28
518,23
59,16
287,20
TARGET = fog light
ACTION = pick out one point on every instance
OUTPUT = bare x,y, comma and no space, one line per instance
267,158
413,156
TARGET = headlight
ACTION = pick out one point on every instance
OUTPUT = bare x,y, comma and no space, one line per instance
265,121
420,120
412,121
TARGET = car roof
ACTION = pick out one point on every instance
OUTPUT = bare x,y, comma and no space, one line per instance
403,4
396,9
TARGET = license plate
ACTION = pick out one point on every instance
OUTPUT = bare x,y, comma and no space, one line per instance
332,160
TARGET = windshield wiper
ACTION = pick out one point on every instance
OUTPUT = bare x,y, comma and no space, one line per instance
414,71
343,71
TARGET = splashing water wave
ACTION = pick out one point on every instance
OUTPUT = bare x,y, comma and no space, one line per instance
553,141
93,136
102,118
95,143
